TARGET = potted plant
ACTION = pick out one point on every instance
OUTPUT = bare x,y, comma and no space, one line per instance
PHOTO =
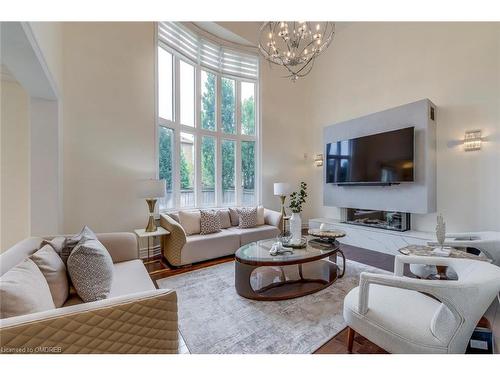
297,198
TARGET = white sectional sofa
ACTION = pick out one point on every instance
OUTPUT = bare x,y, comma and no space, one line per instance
181,249
135,318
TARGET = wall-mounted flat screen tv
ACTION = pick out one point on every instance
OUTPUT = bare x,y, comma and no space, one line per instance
378,159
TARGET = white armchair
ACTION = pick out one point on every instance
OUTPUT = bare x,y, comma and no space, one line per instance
486,242
405,315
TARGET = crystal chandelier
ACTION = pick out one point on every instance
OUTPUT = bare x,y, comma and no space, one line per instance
295,45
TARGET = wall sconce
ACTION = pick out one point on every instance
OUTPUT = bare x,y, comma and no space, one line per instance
472,140
318,160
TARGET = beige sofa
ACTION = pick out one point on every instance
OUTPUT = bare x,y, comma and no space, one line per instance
180,249
135,318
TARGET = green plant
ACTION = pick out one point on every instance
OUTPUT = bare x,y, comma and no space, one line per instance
297,198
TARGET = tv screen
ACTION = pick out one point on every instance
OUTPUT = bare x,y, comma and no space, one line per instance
379,158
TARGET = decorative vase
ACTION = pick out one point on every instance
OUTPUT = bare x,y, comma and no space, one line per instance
295,227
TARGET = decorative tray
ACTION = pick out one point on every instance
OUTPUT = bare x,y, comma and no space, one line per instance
301,245
327,233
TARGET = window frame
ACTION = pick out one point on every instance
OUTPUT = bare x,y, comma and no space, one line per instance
198,132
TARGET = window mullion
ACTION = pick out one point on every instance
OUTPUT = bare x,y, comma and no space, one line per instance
177,137
197,138
238,182
218,131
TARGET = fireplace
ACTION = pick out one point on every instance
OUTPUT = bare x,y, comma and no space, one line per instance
390,220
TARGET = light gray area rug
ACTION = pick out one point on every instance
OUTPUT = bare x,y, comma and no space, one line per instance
213,318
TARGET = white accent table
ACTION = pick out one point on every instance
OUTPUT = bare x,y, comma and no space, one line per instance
141,233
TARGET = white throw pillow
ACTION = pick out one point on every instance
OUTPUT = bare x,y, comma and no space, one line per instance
24,290
260,215
90,268
54,271
190,221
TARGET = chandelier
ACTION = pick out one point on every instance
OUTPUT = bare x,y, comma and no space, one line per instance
295,45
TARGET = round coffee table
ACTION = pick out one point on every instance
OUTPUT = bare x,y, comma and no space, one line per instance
261,276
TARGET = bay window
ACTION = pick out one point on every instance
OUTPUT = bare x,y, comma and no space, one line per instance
208,133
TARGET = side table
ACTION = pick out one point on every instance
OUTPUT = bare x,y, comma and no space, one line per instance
141,233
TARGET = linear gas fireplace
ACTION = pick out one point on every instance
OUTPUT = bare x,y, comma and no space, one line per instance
390,220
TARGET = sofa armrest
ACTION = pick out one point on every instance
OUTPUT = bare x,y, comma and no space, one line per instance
173,243
122,246
144,322
273,218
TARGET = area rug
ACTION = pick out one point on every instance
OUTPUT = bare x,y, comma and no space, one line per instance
213,318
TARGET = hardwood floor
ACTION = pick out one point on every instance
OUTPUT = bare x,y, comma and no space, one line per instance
338,344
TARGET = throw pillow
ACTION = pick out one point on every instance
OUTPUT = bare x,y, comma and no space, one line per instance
190,221
24,290
210,222
225,218
174,215
235,218
57,243
260,215
247,217
54,271
85,234
90,268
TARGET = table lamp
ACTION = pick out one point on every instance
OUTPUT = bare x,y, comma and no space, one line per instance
151,190
282,189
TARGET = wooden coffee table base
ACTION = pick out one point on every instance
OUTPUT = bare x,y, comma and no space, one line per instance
273,283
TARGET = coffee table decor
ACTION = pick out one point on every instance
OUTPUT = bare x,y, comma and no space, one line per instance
265,277
326,236
295,245
428,251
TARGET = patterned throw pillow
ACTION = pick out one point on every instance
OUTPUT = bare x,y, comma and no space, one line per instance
247,217
90,268
210,222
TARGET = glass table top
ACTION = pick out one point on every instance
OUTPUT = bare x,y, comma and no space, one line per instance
258,252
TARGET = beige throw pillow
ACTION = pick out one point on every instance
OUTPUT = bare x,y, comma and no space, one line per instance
260,215
225,218
190,221
90,268
54,271
235,218
210,222
85,234
24,290
57,243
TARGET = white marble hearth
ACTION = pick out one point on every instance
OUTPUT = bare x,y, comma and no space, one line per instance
376,239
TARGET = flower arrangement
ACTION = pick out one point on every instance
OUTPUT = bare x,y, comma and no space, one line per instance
297,198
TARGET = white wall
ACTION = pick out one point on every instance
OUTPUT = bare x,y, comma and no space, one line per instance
109,123
374,66
15,164
45,172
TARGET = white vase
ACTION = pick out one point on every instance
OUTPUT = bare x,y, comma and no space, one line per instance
296,227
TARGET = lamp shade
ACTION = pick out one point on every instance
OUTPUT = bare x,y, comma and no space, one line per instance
281,188
151,188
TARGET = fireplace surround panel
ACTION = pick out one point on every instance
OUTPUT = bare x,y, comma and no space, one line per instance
390,220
